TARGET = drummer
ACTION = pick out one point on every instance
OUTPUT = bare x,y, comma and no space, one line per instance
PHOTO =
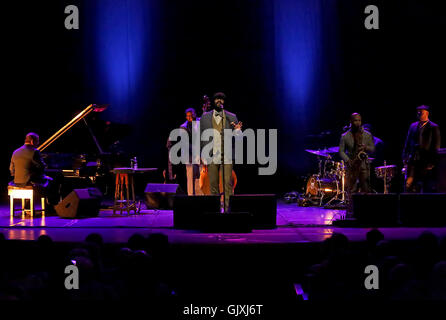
379,154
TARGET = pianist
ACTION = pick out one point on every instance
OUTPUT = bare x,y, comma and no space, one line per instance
27,167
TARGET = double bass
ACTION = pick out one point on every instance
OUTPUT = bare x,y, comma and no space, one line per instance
204,183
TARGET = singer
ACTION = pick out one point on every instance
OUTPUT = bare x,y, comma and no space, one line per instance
219,119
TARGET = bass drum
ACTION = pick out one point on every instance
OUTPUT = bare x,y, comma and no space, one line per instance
316,187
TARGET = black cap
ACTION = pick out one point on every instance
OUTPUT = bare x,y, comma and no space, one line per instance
423,107
220,95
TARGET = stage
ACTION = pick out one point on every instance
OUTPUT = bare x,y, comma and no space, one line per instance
294,225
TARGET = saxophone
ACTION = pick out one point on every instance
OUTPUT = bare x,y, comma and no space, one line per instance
361,155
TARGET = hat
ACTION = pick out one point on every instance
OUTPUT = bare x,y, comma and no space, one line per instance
220,95
423,107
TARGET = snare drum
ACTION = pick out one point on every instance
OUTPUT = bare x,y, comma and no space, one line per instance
388,171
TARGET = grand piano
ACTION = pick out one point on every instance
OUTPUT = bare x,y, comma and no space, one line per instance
85,168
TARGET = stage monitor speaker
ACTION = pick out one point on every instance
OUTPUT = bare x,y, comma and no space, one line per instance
161,195
239,222
423,210
262,207
376,209
441,171
188,211
80,203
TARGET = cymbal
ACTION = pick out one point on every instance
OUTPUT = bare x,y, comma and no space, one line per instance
386,167
333,149
321,153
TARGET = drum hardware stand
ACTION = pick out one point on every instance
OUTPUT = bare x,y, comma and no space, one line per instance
320,166
386,173
325,167
404,173
340,195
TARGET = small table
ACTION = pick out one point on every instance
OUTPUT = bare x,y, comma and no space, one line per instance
125,182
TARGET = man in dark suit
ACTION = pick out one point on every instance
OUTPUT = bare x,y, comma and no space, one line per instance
27,166
420,154
219,119
355,146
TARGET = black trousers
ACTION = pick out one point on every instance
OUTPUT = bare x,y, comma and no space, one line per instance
423,180
357,172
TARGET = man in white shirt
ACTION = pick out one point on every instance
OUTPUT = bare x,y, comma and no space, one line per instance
192,168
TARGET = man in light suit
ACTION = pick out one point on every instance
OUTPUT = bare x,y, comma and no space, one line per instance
192,169
219,119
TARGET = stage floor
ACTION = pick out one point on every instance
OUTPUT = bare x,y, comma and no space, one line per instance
294,225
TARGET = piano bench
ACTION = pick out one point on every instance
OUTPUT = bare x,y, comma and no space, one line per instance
23,193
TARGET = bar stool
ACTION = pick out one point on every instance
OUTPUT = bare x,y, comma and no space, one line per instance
124,191
23,193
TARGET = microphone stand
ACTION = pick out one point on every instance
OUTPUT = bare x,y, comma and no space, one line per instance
223,158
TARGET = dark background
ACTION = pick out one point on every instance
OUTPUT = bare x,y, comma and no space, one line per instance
301,67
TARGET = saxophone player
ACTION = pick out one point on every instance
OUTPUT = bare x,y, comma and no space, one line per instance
355,146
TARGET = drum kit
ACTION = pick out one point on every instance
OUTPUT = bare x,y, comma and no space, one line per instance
328,185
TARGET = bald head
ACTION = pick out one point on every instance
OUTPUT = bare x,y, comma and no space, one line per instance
356,121
32,139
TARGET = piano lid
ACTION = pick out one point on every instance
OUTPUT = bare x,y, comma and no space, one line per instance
71,123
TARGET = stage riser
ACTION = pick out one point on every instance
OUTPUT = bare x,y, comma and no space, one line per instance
256,211
189,210
407,209
161,196
262,207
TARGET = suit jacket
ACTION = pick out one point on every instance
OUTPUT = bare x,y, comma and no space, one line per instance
347,144
206,123
422,144
27,166
190,128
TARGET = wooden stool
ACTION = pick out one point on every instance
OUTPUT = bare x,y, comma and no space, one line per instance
23,193
125,189
124,192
